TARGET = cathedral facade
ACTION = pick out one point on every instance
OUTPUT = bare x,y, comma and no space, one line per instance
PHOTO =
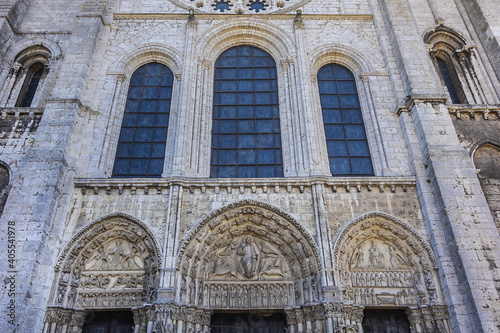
299,166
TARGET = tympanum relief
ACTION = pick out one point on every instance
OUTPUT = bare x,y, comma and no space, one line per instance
112,263
117,266
381,263
248,257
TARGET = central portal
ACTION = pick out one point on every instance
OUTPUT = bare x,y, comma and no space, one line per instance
248,322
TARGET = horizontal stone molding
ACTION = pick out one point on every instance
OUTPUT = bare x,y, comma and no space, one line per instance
97,186
485,112
279,17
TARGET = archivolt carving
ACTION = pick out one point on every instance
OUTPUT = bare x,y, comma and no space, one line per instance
262,34
111,262
245,244
382,261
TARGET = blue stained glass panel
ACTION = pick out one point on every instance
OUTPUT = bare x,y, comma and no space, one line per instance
245,104
343,123
141,150
247,171
141,146
358,148
124,150
246,156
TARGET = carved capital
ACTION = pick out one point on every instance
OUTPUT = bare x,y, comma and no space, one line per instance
291,317
78,318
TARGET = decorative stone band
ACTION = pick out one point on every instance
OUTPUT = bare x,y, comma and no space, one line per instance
114,299
249,295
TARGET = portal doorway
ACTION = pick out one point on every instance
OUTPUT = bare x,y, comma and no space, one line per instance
248,322
109,322
385,321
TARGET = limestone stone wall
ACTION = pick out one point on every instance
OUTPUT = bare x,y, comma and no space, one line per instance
419,234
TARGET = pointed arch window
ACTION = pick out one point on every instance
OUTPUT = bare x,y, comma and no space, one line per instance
246,126
141,146
346,140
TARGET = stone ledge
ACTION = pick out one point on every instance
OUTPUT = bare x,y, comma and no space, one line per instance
182,16
18,111
108,186
486,112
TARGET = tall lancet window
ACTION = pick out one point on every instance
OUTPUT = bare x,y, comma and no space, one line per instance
451,81
346,140
30,85
143,136
246,127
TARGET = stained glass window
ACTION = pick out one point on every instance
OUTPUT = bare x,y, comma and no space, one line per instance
143,136
346,141
246,127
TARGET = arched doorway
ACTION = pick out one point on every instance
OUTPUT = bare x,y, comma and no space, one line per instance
389,274
107,269
249,257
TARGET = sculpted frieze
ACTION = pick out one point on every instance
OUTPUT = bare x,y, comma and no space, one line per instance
248,296
109,299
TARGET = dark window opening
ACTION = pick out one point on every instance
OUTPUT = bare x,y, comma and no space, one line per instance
4,186
385,321
347,144
143,136
451,82
109,322
30,85
247,323
246,139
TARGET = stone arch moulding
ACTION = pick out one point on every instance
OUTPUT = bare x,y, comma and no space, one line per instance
248,255
143,54
53,47
482,143
231,33
444,34
382,261
353,59
112,262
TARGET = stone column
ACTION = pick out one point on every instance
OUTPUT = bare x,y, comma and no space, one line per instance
319,318
110,142
184,122
150,318
415,319
9,84
330,315
137,320
180,316
308,317
291,320
300,320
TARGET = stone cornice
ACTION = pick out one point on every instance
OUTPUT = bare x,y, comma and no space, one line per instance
184,17
156,186
479,111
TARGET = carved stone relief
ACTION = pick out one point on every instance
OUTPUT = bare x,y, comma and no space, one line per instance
111,263
248,295
383,262
250,251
